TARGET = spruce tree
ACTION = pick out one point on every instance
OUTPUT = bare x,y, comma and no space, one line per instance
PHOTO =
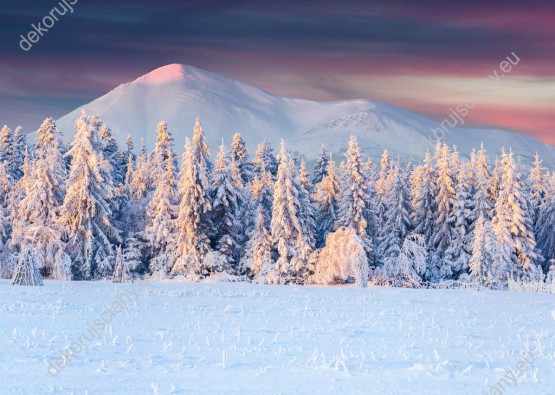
353,197
240,155
537,182
265,159
161,213
483,253
326,201
443,264
257,259
226,200
85,214
193,215
397,223
545,224
321,166
512,225
291,225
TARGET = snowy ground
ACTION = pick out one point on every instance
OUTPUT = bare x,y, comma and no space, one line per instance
182,338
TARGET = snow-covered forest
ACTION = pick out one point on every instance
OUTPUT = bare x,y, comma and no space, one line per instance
93,210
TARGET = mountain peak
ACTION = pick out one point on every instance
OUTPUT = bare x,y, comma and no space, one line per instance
165,74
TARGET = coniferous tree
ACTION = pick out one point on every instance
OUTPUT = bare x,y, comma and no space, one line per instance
321,166
201,152
442,264
257,259
110,151
397,223
6,186
424,191
353,197
537,182
483,203
483,253
290,225
193,215
37,211
263,193
459,249
545,224
265,159
6,145
512,225
85,214
122,273
226,201
326,202
163,151
161,213
18,153
240,155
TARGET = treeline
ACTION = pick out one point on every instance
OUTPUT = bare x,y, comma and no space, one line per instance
81,209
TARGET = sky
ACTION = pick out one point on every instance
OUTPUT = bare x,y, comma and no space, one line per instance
428,56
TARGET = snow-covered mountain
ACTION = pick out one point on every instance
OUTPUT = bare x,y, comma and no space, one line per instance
178,94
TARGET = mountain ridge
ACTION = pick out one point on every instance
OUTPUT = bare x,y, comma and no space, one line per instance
179,93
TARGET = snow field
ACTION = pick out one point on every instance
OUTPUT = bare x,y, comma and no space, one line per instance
197,338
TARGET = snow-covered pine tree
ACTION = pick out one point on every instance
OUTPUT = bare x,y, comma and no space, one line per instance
265,159
495,181
110,152
6,186
201,151
550,276
27,272
321,166
226,197
326,202
424,191
545,224
483,200
458,250
291,226
537,182
6,145
304,180
483,253
193,216
240,155
142,180
263,193
442,267
85,214
397,223
121,273
161,214
36,225
18,153
163,151
257,260
371,210
353,197
512,225
383,187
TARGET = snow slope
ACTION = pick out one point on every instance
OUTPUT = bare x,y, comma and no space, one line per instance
178,94
186,338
